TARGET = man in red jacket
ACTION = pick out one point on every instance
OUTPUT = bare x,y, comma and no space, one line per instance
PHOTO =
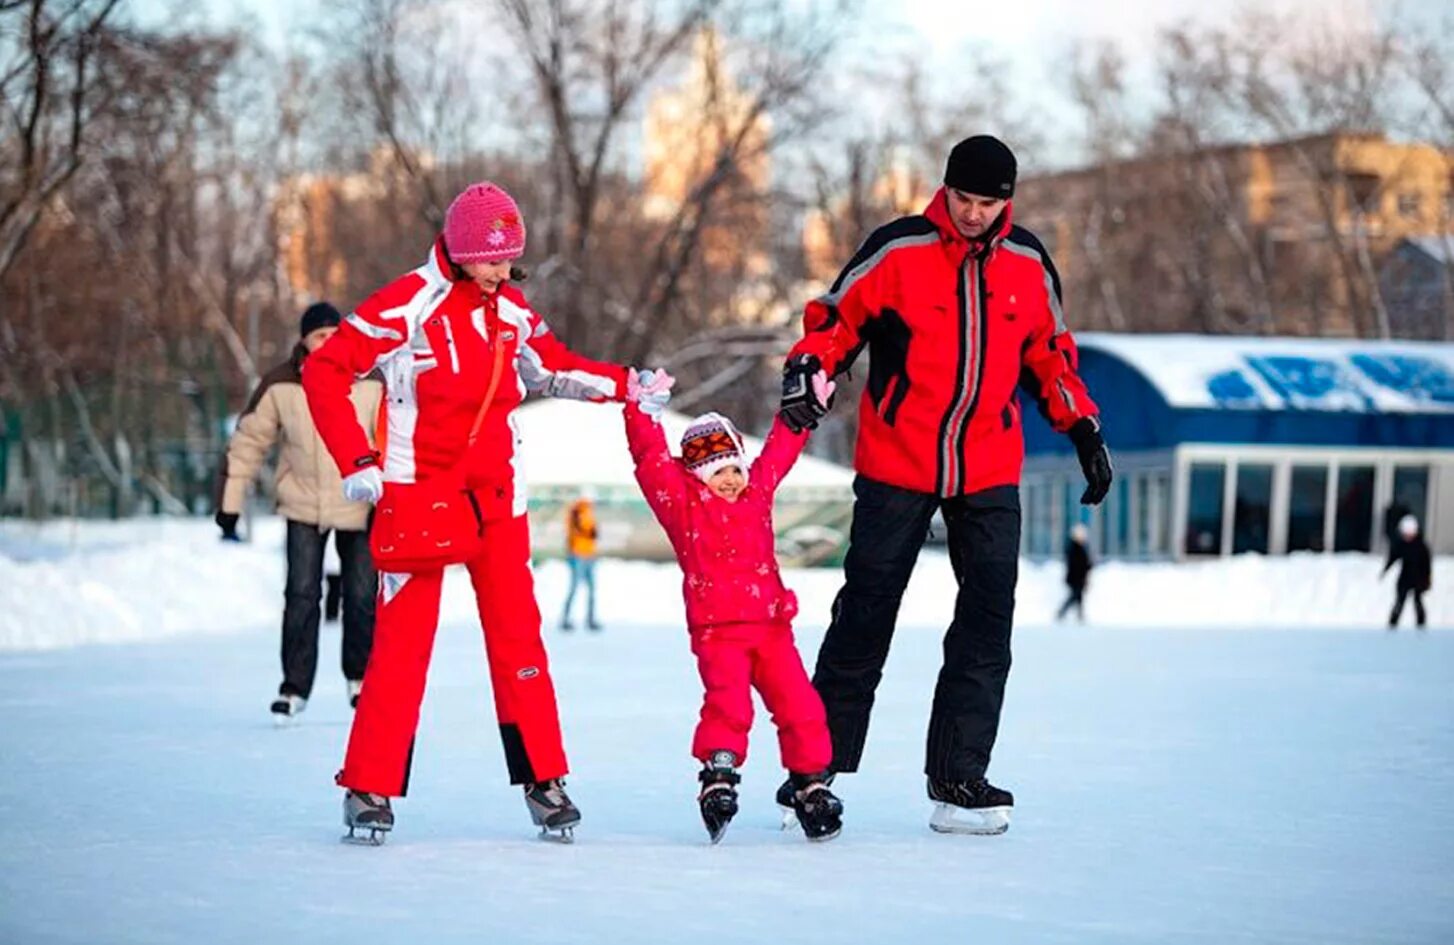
959,308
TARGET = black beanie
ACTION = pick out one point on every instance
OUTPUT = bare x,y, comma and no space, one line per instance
316,316
982,165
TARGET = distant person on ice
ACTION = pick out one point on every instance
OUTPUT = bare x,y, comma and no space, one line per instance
458,346
1415,573
958,307
580,555
310,498
717,511
1077,571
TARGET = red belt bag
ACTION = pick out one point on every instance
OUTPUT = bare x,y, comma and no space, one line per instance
426,526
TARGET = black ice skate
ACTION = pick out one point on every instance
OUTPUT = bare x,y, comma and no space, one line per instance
551,810
285,708
806,800
367,812
976,807
718,798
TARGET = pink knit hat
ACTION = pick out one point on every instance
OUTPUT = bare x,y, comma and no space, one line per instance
483,225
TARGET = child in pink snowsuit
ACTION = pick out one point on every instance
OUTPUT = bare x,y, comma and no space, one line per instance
718,514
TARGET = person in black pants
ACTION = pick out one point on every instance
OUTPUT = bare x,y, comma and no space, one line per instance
310,496
1077,571
1415,574
959,309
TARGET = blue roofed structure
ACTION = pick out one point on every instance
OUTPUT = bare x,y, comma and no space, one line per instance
1227,444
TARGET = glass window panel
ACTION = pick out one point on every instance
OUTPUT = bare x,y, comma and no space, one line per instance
1306,508
1204,509
1252,510
1353,526
1410,497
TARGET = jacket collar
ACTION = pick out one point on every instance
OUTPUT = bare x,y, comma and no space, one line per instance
938,214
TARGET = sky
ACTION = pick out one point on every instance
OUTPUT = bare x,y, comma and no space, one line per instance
1031,36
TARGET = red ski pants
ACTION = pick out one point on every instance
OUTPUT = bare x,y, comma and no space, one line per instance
381,744
736,658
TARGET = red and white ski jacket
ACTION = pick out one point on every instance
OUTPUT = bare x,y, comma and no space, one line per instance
726,549
433,339
952,329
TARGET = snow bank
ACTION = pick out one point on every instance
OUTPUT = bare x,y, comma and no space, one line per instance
70,583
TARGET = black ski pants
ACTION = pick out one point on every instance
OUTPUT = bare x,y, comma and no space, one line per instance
301,605
889,528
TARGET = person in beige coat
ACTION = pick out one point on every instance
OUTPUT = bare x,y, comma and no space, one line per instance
310,497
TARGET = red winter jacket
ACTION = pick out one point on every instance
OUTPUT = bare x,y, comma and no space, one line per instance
726,549
433,338
952,329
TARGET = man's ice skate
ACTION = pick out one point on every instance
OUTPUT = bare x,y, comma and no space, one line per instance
718,798
285,708
551,810
807,802
355,686
366,812
975,807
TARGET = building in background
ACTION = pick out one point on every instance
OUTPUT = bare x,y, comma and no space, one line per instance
1225,445
709,128
1417,279
1285,237
831,233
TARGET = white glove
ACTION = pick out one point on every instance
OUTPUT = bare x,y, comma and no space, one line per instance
651,390
366,485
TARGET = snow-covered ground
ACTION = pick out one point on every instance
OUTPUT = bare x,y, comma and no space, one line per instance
68,583
1207,785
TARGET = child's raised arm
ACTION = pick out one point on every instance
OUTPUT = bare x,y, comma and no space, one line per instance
657,472
783,446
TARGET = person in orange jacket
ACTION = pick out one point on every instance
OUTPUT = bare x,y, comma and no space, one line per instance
580,554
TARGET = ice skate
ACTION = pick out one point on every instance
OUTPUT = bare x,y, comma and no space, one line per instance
807,803
552,810
718,797
366,812
285,708
971,807
355,686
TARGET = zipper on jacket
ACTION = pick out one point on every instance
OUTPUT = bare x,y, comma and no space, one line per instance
979,333
449,340
972,324
945,460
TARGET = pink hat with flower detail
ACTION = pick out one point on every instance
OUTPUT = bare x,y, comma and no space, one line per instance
484,225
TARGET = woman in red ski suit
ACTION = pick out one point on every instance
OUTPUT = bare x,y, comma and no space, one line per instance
433,334
739,614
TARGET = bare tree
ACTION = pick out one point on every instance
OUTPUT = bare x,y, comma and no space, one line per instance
49,86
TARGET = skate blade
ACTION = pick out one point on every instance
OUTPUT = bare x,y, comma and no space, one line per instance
374,837
790,818
559,834
827,836
283,721
715,836
984,822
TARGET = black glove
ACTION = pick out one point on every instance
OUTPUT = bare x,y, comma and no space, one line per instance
1095,460
801,408
228,523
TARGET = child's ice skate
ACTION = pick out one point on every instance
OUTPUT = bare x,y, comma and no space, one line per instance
718,798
